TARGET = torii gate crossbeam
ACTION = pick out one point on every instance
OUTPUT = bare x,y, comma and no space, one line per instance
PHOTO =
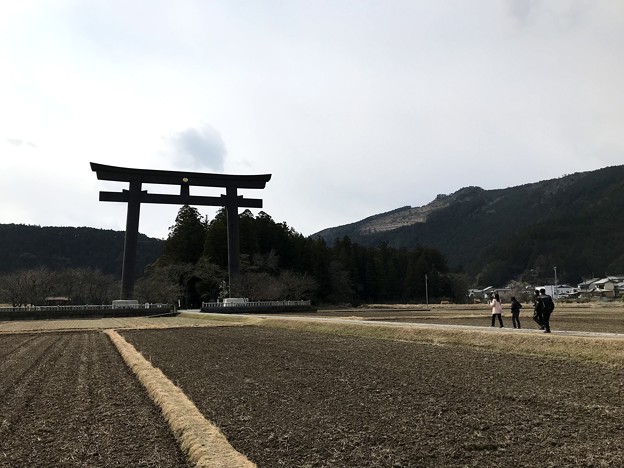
135,195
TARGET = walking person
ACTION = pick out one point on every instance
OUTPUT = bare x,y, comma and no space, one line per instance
547,306
537,310
515,312
497,310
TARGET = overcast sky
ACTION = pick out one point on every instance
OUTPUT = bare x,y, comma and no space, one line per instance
355,107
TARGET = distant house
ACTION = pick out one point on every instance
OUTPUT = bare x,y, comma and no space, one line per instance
606,287
485,294
57,300
559,291
566,290
587,285
504,294
549,288
481,295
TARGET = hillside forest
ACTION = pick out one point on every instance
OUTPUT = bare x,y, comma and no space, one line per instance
518,233
277,263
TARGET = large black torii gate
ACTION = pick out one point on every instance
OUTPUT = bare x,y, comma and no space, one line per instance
135,195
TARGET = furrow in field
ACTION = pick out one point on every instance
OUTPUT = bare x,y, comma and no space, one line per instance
24,365
17,397
84,408
14,343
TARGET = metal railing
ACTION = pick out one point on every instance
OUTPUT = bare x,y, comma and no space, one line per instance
76,308
251,304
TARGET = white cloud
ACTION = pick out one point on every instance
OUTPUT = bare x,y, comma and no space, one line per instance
20,142
200,148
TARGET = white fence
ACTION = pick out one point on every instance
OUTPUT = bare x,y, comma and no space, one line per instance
255,304
76,308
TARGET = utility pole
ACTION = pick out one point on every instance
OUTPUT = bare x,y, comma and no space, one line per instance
426,291
555,289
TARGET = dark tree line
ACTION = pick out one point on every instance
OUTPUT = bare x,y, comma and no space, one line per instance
24,247
279,263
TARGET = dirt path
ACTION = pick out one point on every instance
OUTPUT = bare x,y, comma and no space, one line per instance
67,399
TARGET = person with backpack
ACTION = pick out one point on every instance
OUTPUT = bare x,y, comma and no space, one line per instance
515,312
547,306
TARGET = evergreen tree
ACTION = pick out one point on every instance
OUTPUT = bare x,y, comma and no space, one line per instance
248,236
185,242
215,246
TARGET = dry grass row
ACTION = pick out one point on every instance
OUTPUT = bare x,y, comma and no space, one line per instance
126,323
203,443
596,349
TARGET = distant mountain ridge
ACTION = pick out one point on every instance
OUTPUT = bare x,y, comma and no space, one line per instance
572,222
27,246
400,217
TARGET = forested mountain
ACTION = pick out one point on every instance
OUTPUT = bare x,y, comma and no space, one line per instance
573,222
23,247
277,263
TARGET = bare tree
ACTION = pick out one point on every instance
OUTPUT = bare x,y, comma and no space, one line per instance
27,287
297,286
11,290
98,288
164,284
258,286
70,283
39,284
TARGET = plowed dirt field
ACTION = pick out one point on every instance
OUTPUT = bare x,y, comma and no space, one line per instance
68,400
297,399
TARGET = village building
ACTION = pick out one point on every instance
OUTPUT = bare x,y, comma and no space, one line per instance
607,287
57,300
485,294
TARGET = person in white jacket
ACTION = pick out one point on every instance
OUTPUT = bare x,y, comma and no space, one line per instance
497,310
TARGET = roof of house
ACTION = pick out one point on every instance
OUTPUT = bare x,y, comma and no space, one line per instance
608,279
588,282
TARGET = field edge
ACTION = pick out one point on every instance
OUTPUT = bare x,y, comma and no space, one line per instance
604,350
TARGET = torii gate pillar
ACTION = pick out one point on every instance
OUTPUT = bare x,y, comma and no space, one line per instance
231,208
134,196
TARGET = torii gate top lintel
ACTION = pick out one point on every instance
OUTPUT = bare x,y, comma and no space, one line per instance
154,176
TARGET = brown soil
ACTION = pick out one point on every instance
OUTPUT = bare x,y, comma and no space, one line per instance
67,399
296,399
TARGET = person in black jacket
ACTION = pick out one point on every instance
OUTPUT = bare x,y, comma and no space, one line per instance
537,310
546,307
515,312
